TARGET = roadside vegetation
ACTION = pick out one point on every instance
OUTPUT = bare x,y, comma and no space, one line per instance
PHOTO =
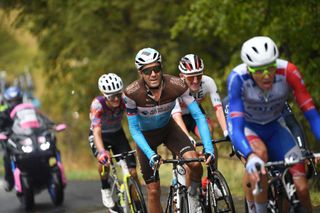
68,44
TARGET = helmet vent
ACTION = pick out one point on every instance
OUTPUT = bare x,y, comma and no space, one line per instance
255,49
141,59
248,57
274,50
266,46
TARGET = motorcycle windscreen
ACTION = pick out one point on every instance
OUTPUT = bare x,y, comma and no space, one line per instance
24,120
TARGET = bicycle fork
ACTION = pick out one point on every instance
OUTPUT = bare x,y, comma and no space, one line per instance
126,190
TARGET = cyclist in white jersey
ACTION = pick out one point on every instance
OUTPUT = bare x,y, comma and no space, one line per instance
191,68
191,71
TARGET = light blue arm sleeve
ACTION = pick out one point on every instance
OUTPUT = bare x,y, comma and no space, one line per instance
138,136
202,124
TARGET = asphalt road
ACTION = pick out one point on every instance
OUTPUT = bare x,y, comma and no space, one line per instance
80,197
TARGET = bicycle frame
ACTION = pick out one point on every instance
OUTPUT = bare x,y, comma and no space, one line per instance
284,179
215,177
178,186
125,192
283,185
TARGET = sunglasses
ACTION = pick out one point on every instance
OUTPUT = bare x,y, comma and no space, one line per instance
265,70
191,78
113,96
148,71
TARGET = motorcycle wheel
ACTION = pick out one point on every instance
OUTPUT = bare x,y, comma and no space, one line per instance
55,187
27,196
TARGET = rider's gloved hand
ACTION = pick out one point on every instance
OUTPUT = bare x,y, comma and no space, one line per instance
253,164
210,158
103,157
154,161
193,141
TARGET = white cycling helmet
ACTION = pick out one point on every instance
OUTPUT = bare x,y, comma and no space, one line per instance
110,84
147,56
191,64
259,51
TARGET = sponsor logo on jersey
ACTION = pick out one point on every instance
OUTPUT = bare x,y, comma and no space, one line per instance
151,111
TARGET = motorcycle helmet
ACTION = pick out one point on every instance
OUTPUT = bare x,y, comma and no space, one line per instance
13,96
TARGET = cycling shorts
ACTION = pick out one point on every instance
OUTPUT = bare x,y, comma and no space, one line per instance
172,137
118,142
279,142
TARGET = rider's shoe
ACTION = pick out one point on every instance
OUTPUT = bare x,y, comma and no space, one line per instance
107,198
194,203
7,186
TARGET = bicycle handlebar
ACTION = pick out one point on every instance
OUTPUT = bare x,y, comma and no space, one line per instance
285,163
123,155
290,162
214,141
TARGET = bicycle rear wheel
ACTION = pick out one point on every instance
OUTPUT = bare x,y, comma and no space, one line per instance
136,201
219,195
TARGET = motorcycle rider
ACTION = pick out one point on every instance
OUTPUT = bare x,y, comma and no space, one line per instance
12,97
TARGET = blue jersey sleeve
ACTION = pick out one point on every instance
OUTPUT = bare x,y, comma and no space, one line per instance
314,120
202,125
138,136
236,121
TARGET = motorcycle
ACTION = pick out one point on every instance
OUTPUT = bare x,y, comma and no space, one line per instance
35,161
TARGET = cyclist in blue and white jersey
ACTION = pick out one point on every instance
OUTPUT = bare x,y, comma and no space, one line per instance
257,91
149,102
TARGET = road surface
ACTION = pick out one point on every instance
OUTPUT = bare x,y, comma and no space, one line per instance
80,197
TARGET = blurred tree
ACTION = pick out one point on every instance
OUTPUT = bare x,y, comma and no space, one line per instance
293,25
80,40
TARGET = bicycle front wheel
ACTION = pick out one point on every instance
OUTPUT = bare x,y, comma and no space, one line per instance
219,195
275,198
184,205
136,201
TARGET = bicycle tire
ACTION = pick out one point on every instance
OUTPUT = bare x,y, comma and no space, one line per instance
184,205
138,205
275,199
169,201
223,203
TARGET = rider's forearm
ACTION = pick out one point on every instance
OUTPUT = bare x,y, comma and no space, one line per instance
202,124
177,117
97,135
221,118
313,117
138,136
238,137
